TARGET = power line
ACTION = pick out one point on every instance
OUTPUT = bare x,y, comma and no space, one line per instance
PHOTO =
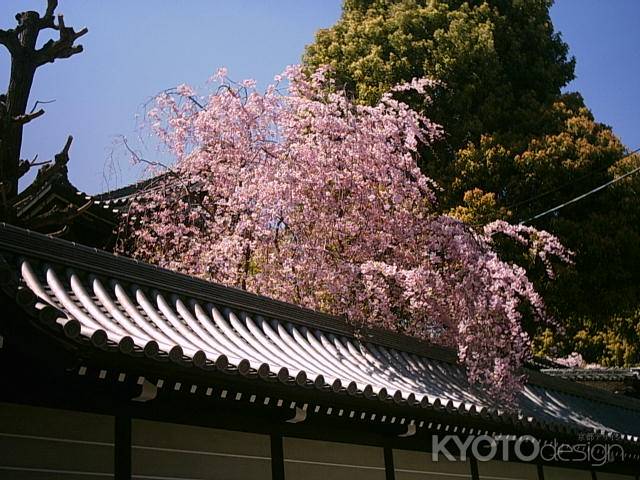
572,182
580,197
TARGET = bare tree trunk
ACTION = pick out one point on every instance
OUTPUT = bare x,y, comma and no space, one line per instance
25,60
22,74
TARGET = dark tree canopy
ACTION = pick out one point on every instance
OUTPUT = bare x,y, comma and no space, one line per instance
499,61
515,144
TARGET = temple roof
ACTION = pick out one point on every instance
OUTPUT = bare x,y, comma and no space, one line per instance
118,305
622,381
611,374
53,205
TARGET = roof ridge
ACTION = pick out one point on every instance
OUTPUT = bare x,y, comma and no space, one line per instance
127,190
577,389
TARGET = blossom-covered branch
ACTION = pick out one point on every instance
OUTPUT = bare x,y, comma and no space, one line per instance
312,199
540,243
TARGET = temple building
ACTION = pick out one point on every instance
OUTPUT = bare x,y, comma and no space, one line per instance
112,368
52,205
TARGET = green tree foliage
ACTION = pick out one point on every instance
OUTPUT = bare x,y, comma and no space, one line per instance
514,146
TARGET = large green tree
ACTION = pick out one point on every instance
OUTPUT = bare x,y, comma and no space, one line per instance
515,145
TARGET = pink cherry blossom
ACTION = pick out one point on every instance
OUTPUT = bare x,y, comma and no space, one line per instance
312,199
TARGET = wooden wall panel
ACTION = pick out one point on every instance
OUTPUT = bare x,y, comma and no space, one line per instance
180,451
37,443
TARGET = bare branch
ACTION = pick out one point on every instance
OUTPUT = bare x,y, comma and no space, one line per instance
41,102
138,159
169,172
25,165
47,21
198,104
38,164
9,39
61,48
51,8
5,35
27,117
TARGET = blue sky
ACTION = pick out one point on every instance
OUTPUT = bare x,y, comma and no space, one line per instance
135,49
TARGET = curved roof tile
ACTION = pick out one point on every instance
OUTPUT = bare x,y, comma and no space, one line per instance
95,302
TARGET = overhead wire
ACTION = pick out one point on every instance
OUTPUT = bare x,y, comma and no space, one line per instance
586,194
571,182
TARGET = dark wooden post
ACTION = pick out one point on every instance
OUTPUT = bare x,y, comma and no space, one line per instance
122,450
389,470
474,469
277,457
